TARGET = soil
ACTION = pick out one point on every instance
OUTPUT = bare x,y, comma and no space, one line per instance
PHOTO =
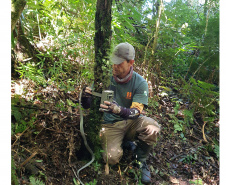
51,149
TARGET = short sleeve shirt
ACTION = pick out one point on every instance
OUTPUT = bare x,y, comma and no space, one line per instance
136,90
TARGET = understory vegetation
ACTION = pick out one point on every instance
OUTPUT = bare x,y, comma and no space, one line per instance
52,59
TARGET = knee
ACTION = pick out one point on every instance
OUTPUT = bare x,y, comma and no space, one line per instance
149,131
113,156
112,160
149,121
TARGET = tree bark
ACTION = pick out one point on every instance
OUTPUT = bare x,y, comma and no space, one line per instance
102,42
23,49
153,62
17,7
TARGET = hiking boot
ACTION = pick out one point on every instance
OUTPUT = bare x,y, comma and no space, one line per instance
141,154
145,174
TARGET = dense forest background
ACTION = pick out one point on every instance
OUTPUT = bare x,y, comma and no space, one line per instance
53,57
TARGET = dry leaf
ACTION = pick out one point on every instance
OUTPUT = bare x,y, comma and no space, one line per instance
174,180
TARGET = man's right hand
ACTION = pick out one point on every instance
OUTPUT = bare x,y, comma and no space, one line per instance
86,97
88,90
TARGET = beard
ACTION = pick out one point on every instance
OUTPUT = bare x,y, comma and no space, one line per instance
116,72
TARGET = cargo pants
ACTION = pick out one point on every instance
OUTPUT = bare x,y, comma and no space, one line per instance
113,135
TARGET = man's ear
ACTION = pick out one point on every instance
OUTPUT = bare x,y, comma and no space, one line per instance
131,62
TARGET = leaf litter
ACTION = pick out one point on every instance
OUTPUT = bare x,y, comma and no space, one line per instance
52,148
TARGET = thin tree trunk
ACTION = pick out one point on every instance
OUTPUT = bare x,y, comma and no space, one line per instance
17,7
154,46
102,42
23,45
205,7
145,63
23,49
206,13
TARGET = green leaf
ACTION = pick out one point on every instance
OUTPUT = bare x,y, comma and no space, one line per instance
217,150
35,181
178,127
39,161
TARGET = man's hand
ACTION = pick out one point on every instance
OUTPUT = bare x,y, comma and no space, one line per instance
88,90
86,97
110,107
149,130
126,113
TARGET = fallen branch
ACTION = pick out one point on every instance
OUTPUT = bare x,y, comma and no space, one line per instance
28,159
202,130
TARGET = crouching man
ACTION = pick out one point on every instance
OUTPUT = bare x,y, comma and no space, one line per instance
123,120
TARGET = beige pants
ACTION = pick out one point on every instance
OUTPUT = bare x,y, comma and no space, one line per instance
112,136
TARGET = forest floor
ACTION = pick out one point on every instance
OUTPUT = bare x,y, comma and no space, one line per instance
51,148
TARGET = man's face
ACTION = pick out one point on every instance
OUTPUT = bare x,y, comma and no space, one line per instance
121,70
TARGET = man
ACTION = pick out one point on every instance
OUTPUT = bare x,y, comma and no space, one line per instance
123,120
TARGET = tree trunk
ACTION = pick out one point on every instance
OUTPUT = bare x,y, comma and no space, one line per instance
206,13
102,40
154,46
17,6
153,63
205,7
23,48
102,44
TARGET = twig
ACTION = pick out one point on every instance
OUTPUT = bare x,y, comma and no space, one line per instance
195,137
209,138
28,159
71,146
106,169
75,101
197,123
203,133
127,166
26,149
74,172
119,170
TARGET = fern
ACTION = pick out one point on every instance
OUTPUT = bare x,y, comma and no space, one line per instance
202,97
18,123
35,181
188,116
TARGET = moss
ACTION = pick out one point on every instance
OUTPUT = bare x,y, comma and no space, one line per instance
14,180
101,69
94,126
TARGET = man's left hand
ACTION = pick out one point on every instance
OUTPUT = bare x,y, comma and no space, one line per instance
110,107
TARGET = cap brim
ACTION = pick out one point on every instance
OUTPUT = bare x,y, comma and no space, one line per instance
117,60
